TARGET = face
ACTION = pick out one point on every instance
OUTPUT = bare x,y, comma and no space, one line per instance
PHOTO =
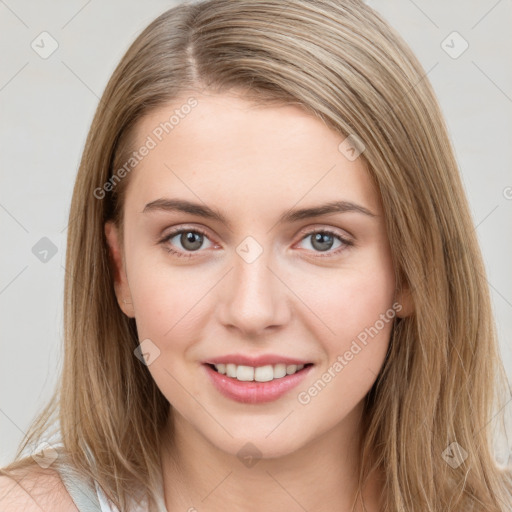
252,300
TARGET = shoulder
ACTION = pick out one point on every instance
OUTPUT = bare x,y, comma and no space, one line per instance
34,490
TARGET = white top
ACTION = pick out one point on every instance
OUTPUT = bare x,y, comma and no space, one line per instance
107,506
86,493
88,498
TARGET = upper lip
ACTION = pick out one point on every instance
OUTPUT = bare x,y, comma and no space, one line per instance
255,361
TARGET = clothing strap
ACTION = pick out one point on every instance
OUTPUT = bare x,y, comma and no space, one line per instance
82,491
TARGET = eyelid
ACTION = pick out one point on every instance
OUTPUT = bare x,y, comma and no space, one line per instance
176,230
327,229
183,227
305,232
347,242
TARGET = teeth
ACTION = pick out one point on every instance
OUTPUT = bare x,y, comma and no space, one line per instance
291,368
258,374
264,373
279,371
245,373
230,370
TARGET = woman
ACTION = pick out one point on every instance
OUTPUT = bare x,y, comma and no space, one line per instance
274,292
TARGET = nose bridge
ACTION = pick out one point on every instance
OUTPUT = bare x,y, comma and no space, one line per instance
252,298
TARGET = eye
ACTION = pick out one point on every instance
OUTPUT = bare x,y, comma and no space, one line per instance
190,240
323,240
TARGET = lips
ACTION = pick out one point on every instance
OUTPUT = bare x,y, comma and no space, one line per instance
256,379
255,361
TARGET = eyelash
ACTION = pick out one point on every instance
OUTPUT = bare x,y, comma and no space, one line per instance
345,242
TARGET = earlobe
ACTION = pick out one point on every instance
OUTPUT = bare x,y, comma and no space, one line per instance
121,287
405,303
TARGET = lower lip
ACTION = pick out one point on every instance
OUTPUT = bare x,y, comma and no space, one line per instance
255,392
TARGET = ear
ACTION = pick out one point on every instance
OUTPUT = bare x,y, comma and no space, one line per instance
121,287
405,303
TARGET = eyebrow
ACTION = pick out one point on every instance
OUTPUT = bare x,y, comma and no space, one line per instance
201,210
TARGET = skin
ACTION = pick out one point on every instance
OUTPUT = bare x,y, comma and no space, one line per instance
253,164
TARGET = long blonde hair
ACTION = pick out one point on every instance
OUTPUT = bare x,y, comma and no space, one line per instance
442,378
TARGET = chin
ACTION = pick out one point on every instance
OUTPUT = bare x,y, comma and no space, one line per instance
259,443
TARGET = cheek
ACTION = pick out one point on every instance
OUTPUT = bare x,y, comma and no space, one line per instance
169,312
163,297
360,318
362,302
356,313
348,300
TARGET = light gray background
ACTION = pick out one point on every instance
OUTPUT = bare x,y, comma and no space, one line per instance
47,106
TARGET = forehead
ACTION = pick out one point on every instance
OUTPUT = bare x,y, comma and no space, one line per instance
225,149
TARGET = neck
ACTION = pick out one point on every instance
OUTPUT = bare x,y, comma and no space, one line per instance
320,476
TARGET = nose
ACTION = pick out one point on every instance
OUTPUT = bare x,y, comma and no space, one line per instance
252,298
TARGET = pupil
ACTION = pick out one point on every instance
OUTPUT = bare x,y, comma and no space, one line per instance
319,238
195,239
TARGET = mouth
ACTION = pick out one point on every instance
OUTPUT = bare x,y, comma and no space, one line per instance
256,384
266,373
